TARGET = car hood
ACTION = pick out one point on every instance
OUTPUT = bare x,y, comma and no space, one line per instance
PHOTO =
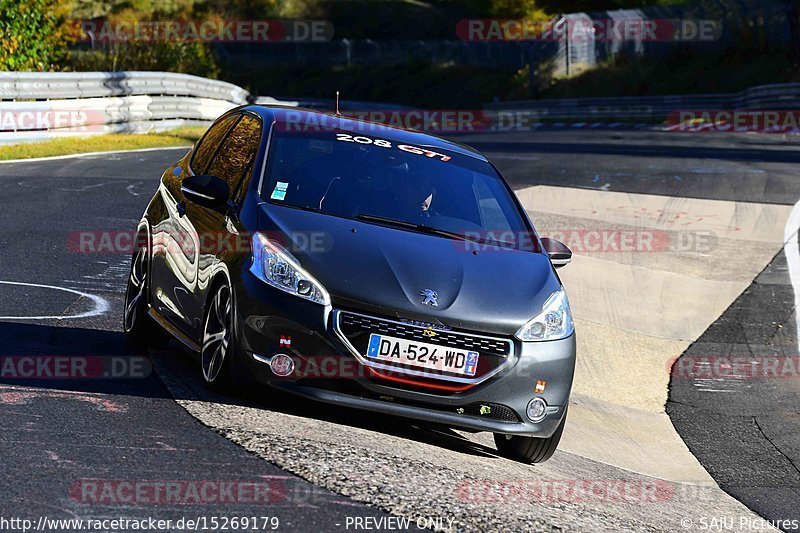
382,270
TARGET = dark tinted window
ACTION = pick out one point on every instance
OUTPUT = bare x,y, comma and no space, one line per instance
210,142
235,158
347,175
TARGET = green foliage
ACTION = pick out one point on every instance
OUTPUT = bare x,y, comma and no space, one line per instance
303,9
184,57
512,8
238,9
416,84
34,34
88,9
682,72
188,57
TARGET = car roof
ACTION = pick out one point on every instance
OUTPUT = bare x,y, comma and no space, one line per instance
299,115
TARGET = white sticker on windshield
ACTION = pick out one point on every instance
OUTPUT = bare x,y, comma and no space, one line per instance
279,192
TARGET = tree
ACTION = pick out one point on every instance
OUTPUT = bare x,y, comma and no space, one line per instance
34,34
512,8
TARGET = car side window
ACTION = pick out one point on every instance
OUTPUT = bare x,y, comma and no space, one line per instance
210,142
235,158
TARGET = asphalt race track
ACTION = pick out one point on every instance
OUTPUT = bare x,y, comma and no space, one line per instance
719,285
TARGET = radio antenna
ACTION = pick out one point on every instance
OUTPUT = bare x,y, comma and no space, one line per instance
337,105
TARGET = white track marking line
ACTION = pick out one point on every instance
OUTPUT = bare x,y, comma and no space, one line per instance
88,154
791,248
101,305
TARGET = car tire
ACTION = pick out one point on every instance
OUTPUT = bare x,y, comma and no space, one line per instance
139,327
529,449
218,343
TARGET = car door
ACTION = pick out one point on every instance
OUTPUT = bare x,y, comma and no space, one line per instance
219,230
175,241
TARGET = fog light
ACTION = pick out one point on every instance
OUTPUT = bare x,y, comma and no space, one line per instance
537,409
281,365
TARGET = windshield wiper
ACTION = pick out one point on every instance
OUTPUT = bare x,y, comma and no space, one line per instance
418,227
386,220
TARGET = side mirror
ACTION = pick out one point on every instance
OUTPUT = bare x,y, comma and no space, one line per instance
206,190
557,251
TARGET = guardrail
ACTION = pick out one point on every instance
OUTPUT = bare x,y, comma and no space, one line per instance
37,106
67,85
653,108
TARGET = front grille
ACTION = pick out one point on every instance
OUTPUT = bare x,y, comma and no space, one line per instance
352,325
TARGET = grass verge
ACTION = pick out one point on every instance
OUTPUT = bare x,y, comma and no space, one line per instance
183,136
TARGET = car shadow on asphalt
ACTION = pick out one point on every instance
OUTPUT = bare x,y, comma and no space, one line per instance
93,361
184,369
47,357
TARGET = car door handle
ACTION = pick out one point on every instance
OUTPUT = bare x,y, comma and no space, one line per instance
181,208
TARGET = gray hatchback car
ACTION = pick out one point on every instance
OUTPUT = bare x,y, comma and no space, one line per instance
360,265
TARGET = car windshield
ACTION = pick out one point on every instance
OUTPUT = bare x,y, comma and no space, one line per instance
376,179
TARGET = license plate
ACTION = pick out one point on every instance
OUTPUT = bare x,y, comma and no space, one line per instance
422,355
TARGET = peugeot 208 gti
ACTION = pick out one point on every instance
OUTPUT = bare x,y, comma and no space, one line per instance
360,265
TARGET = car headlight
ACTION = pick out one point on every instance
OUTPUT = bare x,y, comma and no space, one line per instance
277,267
553,323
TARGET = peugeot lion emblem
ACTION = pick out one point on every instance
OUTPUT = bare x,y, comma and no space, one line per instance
429,297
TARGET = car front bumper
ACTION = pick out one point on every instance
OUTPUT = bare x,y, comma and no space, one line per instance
271,322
